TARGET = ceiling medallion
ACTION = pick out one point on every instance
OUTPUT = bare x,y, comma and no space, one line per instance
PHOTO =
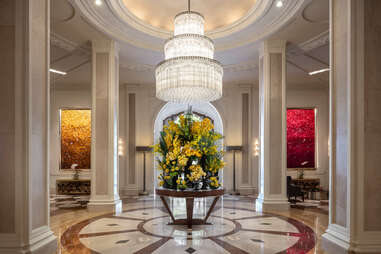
189,74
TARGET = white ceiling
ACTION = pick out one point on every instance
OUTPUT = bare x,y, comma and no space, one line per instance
305,31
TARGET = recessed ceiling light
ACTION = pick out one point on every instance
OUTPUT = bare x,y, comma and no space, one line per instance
58,72
98,2
279,3
318,71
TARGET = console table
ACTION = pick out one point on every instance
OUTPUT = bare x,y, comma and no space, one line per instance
73,187
189,195
309,185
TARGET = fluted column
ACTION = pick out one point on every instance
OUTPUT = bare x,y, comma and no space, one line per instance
272,100
24,125
355,175
105,95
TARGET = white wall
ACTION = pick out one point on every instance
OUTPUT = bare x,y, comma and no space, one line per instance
63,99
318,99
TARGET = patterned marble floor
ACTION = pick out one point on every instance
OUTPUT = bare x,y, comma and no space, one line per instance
142,227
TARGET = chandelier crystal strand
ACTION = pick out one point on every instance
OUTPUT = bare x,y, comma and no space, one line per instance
189,74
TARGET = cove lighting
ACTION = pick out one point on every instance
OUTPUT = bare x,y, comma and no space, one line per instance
98,2
279,4
318,71
58,72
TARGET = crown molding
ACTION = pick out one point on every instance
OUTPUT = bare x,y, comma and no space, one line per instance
115,20
313,43
259,9
68,45
241,67
137,67
316,42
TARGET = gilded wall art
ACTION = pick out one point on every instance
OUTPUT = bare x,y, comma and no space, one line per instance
75,128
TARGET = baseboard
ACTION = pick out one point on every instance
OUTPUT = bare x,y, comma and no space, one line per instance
331,243
271,205
42,241
125,193
247,190
104,206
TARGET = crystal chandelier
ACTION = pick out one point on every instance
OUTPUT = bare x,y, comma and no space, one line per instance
189,74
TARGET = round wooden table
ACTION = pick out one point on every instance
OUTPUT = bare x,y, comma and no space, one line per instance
189,195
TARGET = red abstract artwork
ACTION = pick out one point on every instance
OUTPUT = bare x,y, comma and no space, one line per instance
300,138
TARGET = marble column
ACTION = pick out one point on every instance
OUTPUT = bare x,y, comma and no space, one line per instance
105,101
355,123
272,106
24,125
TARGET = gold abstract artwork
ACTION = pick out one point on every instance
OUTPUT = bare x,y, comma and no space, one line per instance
75,138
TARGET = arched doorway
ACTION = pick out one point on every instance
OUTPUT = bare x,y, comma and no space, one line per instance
173,109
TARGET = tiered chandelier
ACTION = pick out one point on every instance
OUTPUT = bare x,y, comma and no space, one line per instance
189,74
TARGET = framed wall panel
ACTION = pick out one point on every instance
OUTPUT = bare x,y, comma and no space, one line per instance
301,138
75,132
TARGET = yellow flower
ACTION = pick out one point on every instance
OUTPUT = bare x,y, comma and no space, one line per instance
183,182
178,181
183,160
161,183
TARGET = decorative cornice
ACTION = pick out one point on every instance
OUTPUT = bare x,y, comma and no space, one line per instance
63,43
227,68
316,42
259,9
240,67
137,67
114,20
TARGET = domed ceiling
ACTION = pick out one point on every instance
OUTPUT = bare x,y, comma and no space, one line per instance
148,23
217,13
236,26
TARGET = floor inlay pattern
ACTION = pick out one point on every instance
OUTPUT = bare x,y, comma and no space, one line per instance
146,230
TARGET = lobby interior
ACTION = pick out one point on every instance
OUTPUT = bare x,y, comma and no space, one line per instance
298,110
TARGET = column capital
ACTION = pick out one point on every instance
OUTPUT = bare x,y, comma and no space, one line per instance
105,45
272,46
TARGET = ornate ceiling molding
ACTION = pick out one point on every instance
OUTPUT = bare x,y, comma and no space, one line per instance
61,42
227,68
137,67
240,67
259,9
114,19
316,42
68,45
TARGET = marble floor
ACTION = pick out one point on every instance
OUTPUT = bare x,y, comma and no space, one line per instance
141,227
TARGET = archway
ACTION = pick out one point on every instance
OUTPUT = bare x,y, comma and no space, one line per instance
170,109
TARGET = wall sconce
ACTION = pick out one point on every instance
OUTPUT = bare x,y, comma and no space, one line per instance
120,147
256,147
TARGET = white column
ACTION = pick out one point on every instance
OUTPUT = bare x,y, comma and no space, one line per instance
24,125
272,101
355,123
105,96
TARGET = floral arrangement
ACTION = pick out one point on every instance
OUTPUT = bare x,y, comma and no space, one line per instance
189,154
